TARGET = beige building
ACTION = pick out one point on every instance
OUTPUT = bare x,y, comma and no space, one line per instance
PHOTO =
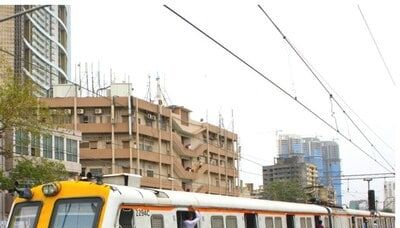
6,39
122,133
291,168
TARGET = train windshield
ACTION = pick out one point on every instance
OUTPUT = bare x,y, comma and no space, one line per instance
25,215
78,212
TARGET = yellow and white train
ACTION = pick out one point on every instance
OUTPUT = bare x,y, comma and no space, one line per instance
72,204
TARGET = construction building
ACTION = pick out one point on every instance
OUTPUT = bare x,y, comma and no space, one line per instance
332,169
37,45
323,154
291,168
122,133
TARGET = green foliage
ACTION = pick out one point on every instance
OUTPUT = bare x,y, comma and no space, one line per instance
387,210
285,190
19,106
34,172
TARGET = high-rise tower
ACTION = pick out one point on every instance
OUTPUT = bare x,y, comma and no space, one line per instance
40,43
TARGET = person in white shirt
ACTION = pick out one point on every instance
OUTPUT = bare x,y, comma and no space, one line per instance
190,222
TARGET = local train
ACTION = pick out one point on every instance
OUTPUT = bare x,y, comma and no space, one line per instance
72,204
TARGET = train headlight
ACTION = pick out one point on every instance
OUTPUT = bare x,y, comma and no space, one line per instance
51,189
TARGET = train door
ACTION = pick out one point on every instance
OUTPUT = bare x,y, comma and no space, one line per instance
250,220
317,218
183,215
290,221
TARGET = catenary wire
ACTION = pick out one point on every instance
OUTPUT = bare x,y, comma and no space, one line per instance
323,85
277,86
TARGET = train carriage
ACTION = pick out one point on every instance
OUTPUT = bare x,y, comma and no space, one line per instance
70,204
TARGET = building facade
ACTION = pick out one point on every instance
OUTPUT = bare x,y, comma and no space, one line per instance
291,168
289,145
122,133
323,154
60,145
40,43
389,195
332,168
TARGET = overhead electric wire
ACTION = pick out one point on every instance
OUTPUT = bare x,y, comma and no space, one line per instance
376,45
324,86
274,84
22,13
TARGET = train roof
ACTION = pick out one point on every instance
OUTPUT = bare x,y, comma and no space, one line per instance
185,199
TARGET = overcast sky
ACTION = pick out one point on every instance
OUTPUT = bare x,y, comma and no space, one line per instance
140,39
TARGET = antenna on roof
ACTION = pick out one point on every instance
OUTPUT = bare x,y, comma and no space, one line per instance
148,93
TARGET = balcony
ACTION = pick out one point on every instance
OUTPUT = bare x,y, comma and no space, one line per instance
183,151
94,127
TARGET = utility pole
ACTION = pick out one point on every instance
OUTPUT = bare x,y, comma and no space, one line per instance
369,179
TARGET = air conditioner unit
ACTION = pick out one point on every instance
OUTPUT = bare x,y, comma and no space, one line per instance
97,111
80,111
67,111
150,116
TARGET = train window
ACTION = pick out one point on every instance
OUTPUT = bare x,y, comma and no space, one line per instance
269,222
157,221
231,221
359,223
290,221
326,222
383,225
278,222
25,214
250,220
126,218
349,222
217,222
309,223
302,222
78,212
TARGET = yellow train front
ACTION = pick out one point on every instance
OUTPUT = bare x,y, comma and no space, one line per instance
85,204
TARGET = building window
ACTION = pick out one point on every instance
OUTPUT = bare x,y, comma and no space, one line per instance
72,150
35,145
150,173
93,144
96,172
59,148
47,146
21,142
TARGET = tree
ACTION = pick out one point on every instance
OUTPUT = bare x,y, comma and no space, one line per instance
33,172
19,107
389,210
285,190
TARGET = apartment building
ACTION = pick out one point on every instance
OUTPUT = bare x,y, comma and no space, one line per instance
291,168
37,45
122,133
59,145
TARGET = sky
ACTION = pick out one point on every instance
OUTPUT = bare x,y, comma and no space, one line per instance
143,38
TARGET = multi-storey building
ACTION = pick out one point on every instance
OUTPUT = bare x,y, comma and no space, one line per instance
332,168
39,42
323,154
389,195
312,153
122,133
291,168
59,145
